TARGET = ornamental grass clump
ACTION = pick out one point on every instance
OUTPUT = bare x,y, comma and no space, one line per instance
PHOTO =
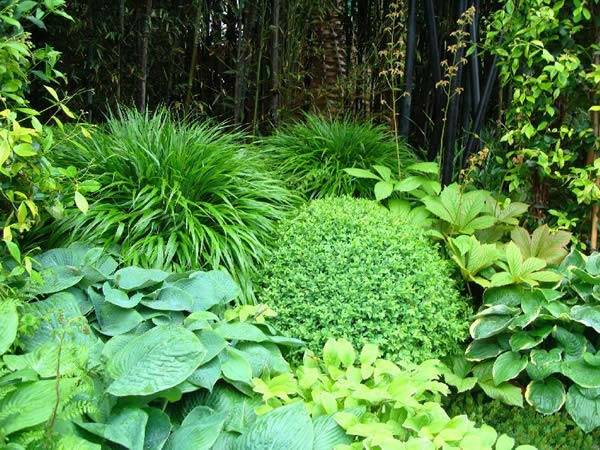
175,194
348,268
311,155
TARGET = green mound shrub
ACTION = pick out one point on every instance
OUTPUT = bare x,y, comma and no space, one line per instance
525,425
174,194
312,155
347,267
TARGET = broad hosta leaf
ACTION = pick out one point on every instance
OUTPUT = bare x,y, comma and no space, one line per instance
212,342
113,320
240,331
288,427
584,407
542,363
582,373
59,278
9,322
587,315
506,295
488,326
523,340
507,366
127,427
170,298
157,360
238,408
483,349
120,298
235,366
197,435
505,392
207,375
31,404
328,434
158,429
130,278
573,344
546,396
263,357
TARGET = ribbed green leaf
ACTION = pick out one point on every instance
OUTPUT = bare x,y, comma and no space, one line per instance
157,360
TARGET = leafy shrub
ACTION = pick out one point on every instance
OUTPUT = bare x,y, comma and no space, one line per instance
174,194
347,267
546,339
379,405
312,155
525,425
103,347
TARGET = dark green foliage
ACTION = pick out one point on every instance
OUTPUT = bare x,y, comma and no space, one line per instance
174,194
348,268
312,155
525,425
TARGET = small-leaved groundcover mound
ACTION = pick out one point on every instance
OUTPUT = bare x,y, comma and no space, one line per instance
346,267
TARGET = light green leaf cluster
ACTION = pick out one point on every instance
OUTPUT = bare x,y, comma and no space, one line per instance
379,404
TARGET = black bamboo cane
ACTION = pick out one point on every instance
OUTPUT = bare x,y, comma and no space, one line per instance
409,69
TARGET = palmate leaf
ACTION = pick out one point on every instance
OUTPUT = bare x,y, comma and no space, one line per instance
542,243
518,270
155,361
460,211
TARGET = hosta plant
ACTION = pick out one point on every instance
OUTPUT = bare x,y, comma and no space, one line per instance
543,343
122,344
371,403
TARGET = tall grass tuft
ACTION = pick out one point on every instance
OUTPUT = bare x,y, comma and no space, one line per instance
311,155
174,194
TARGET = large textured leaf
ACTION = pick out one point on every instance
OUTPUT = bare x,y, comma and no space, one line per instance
573,344
238,408
130,278
328,434
198,434
263,358
542,363
288,427
505,392
207,374
582,373
120,298
157,360
546,396
56,279
483,349
113,320
9,322
584,407
587,315
240,331
127,428
505,295
158,429
488,326
235,366
170,298
31,404
213,343
507,366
